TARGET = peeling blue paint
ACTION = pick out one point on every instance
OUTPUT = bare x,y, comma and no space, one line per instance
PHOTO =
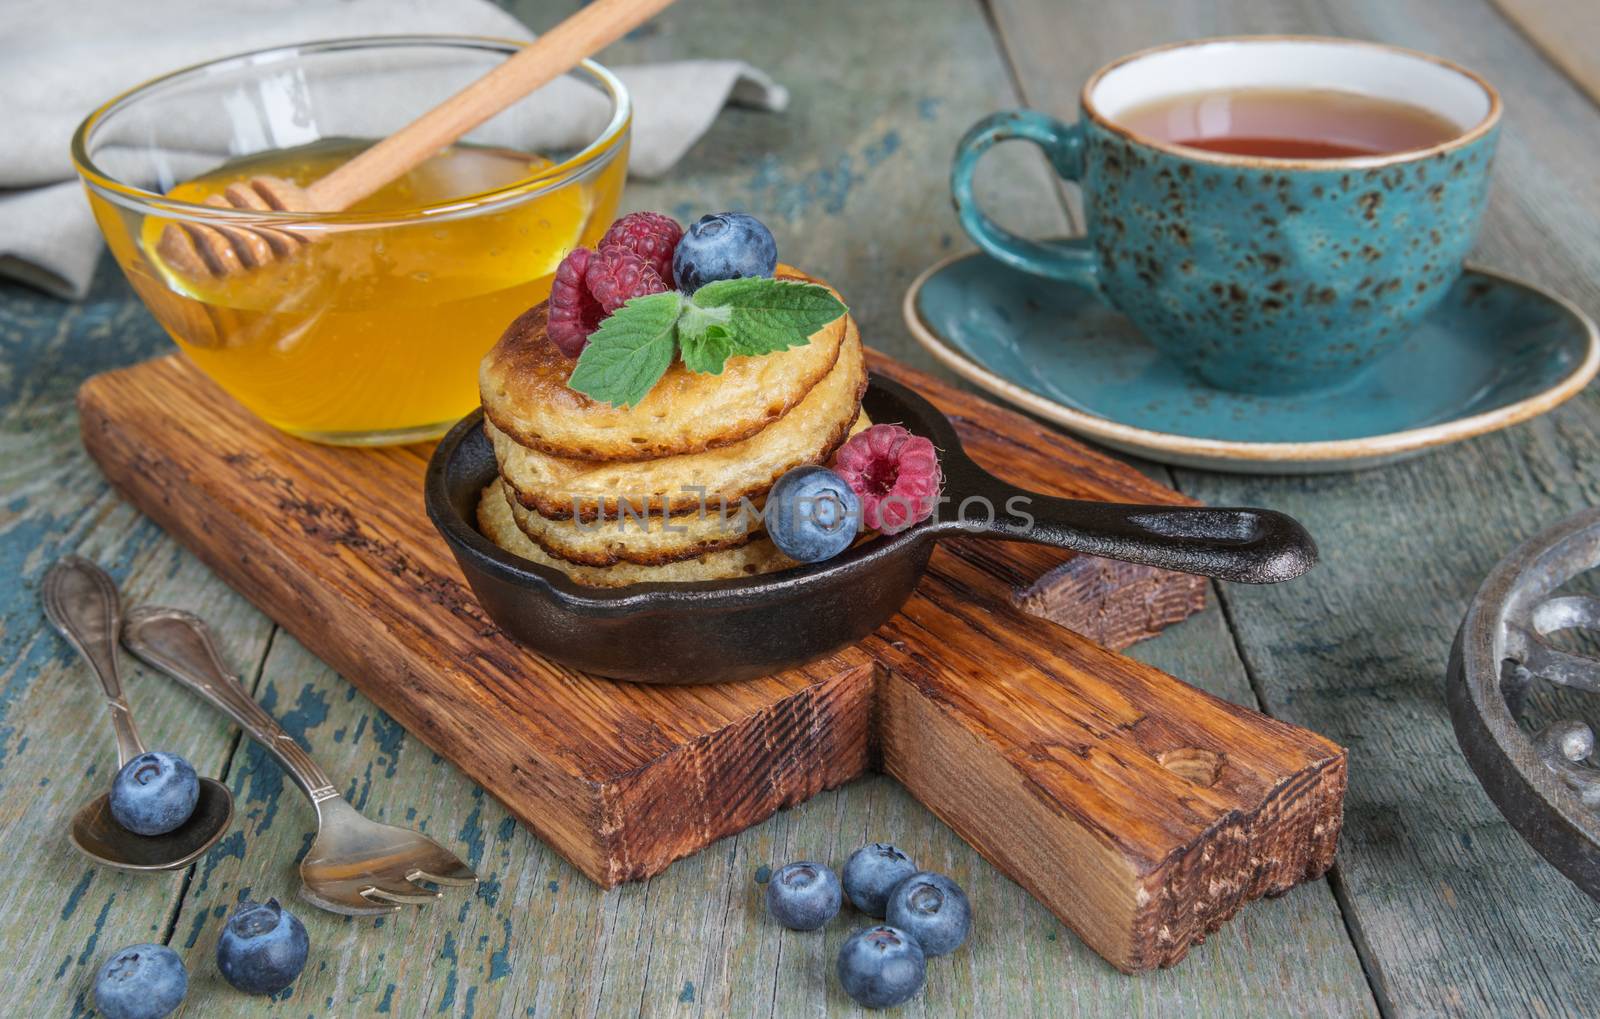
687,995
448,953
472,831
500,958
76,895
94,935
489,890
195,927
508,827
260,774
388,998
828,188
391,738
232,845
880,150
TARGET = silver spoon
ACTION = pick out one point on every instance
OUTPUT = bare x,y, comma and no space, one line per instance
353,866
81,602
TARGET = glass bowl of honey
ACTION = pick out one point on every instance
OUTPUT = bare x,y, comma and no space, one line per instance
371,332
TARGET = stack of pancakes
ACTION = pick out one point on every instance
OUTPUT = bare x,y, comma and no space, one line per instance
659,491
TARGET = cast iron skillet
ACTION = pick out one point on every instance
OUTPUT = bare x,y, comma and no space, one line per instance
715,631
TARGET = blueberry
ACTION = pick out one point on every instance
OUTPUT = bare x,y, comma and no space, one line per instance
263,948
154,793
723,246
803,896
933,909
811,514
871,874
141,982
880,967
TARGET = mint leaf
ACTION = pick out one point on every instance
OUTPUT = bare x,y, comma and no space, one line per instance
634,347
706,352
768,315
704,338
630,351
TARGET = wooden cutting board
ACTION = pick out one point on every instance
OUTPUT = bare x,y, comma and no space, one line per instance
1141,811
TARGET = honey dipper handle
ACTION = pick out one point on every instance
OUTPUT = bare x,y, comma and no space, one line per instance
557,51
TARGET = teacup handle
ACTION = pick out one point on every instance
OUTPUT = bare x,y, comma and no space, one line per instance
1072,260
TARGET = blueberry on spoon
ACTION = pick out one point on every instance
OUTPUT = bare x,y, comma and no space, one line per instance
81,602
154,793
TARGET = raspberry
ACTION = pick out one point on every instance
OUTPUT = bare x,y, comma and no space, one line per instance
617,275
895,473
650,235
574,313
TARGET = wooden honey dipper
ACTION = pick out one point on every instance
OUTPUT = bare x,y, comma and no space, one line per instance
218,251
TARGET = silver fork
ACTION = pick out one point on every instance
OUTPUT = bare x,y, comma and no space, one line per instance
355,866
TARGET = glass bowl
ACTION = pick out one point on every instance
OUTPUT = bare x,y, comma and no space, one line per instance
370,333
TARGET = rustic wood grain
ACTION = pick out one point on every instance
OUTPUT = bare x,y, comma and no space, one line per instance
1453,913
56,750
333,543
694,940
1113,604
852,179
1565,32
1142,812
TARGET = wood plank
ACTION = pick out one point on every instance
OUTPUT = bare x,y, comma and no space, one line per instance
56,748
698,930
846,175
919,72
1357,650
1040,749
1565,33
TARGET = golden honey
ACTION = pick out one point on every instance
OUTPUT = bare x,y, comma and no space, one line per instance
373,331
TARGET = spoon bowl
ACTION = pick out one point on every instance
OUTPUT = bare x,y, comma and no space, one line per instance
81,602
98,836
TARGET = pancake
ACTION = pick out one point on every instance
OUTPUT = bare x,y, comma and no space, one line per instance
523,384
496,523
561,488
643,539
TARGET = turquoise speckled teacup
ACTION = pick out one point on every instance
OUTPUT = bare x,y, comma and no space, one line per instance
1263,275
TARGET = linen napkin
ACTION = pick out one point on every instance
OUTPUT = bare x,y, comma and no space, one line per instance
59,60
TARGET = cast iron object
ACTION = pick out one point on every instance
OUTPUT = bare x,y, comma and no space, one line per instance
716,631
1545,782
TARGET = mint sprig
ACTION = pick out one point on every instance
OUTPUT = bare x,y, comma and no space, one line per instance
630,351
750,317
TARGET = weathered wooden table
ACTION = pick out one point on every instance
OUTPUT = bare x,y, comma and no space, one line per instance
1435,906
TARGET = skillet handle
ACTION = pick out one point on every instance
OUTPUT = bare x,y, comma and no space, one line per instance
1249,546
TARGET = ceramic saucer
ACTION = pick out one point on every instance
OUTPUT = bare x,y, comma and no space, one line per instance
1497,351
